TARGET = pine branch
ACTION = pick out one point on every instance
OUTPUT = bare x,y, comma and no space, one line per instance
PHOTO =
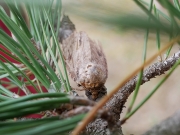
116,103
152,71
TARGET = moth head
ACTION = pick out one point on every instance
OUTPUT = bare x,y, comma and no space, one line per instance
91,76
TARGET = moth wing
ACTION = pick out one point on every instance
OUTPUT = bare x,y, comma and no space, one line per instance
91,65
67,47
85,60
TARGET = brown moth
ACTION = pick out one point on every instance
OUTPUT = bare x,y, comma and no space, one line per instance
85,60
86,63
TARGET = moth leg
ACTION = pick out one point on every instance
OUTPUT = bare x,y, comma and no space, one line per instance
74,93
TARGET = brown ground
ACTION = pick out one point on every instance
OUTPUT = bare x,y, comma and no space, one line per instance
123,50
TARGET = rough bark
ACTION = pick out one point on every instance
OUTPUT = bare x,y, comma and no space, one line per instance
116,103
170,126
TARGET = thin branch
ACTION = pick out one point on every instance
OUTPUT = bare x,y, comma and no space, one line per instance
152,71
151,93
76,111
81,101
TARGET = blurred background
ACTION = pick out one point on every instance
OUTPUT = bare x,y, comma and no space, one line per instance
124,49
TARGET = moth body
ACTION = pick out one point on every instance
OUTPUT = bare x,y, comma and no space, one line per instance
84,58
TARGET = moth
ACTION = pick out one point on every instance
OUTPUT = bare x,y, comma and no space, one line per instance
86,63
